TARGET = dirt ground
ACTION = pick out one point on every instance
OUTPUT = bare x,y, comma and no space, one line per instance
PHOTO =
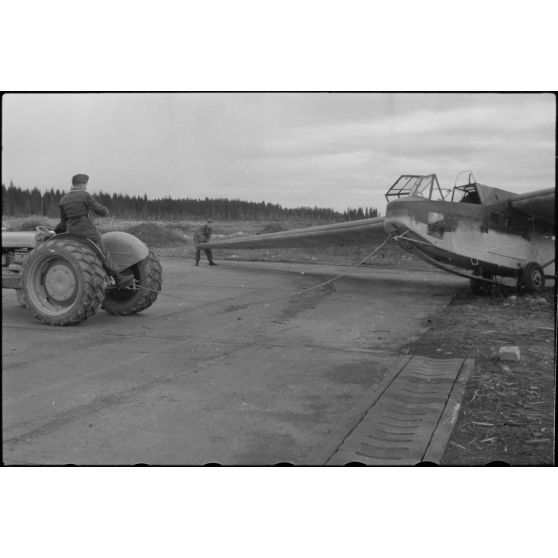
507,412
240,364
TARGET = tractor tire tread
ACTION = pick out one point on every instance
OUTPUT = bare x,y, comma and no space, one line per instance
93,283
151,280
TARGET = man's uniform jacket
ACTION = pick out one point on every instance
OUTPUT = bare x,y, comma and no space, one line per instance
75,207
203,234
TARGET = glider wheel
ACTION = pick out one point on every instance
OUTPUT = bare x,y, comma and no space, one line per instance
532,277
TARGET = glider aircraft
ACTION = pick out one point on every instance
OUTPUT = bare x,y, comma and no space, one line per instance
484,233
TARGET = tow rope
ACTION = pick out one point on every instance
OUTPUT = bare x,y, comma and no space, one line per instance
323,283
301,291
49,232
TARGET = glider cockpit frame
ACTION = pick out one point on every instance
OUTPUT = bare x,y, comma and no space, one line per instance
416,185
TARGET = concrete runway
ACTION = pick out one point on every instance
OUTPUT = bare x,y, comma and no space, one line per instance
225,367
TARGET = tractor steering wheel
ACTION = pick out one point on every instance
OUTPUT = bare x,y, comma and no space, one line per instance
45,230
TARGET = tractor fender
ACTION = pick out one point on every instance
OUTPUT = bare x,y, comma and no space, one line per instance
125,249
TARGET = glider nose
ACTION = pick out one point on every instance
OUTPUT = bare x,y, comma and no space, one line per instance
397,219
405,214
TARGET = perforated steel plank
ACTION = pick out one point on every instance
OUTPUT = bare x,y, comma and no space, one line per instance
412,420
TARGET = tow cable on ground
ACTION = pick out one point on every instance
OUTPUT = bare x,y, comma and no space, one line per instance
404,236
301,291
49,232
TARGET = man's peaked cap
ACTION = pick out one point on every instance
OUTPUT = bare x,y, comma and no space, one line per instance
80,179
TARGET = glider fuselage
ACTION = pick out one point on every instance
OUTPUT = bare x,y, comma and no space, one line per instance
493,238
486,230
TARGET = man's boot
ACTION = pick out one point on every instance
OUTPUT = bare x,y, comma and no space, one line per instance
212,263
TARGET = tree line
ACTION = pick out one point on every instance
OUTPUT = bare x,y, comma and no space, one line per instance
18,202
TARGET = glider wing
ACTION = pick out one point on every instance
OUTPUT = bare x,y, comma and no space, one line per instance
361,231
539,204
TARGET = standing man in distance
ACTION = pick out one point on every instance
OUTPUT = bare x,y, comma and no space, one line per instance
203,234
75,209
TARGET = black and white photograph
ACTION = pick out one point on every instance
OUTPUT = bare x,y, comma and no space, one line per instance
278,278
265,278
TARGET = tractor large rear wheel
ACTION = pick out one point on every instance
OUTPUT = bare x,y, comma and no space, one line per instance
63,281
148,278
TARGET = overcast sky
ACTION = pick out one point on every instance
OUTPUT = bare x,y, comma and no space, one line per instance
331,150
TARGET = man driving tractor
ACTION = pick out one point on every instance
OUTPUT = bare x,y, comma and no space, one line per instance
75,209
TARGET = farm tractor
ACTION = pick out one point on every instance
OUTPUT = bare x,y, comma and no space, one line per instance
61,280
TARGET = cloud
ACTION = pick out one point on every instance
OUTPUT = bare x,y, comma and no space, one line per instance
403,130
310,149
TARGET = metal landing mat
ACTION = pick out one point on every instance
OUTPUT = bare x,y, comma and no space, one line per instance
412,419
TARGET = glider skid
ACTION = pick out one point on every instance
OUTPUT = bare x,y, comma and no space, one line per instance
530,278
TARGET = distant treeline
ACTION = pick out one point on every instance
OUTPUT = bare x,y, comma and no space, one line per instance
17,202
